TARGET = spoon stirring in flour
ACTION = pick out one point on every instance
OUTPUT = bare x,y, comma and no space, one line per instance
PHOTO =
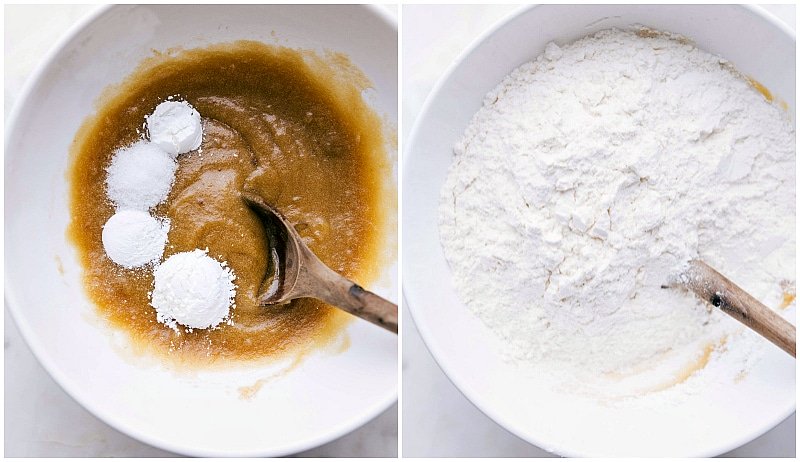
714,288
590,168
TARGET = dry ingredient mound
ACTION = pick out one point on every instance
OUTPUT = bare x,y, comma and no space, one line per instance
175,127
594,172
140,176
193,289
190,288
133,238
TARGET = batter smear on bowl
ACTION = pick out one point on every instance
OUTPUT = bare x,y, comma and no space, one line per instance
289,124
592,174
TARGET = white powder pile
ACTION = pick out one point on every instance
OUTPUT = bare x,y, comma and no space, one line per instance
175,127
133,238
193,289
140,176
593,173
190,288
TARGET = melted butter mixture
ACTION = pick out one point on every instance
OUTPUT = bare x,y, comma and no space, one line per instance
289,124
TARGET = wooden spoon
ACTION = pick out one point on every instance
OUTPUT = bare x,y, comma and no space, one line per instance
295,272
711,286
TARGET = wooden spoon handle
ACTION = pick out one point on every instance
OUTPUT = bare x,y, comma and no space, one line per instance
366,305
721,292
329,286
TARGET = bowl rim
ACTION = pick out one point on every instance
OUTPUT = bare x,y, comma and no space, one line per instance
13,303
425,333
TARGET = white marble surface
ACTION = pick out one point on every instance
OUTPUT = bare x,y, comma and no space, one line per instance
438,421
40,419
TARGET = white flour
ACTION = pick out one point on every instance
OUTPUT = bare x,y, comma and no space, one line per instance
590,175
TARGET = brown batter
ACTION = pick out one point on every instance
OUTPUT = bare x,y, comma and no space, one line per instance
289,124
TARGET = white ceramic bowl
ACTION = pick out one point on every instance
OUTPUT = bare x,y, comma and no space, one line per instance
325,397
710,423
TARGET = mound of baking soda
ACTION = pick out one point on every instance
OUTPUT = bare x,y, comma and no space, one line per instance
193,289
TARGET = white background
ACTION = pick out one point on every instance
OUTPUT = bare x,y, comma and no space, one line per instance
40,419
438,421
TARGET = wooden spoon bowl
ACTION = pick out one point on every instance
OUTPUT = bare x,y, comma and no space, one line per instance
294,271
